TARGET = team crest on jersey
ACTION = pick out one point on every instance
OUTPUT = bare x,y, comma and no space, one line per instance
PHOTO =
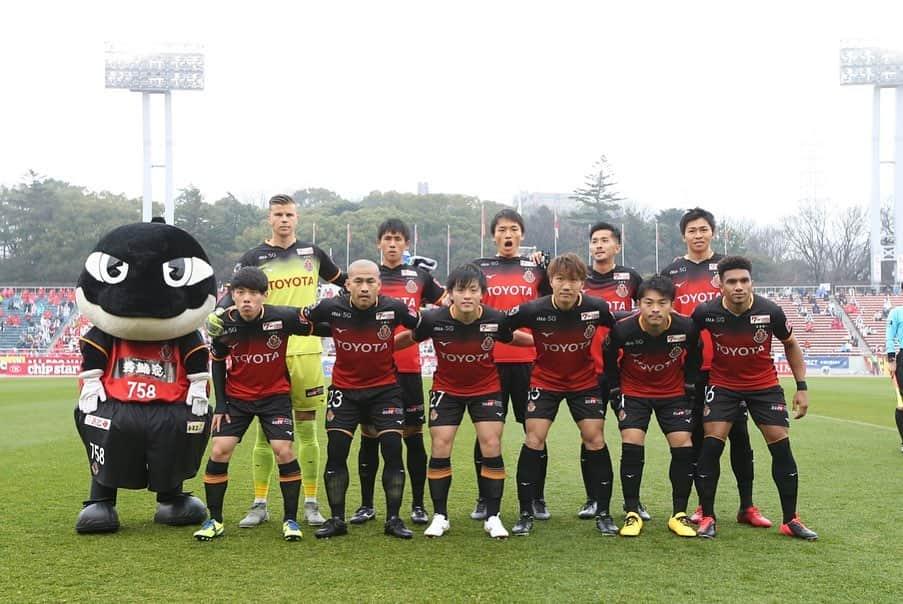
760,319
716,281
487,344
434,415
308,265
675,352
589,331
531,407
529,277
411,286
274,342
622,415
760,336
706,410
621,290
384,332
166,352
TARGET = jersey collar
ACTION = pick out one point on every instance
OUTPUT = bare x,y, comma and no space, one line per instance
643,324
576,304
451,313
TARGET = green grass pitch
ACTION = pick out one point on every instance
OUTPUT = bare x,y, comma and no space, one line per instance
851,488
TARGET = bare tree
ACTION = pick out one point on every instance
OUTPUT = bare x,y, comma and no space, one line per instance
849,259
832,247
808,239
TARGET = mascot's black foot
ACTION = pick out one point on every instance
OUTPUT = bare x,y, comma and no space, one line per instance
97,517
182,510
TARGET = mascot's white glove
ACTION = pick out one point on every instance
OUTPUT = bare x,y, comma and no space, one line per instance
197,393
214,323
92,390
428,264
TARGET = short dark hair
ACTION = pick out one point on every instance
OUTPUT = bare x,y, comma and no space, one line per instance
729,263
281,200
464,275
605,226
250,277
507,214
696,214
657,283
570,265
393,225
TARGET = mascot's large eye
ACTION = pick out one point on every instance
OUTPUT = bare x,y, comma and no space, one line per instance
106,268
180,272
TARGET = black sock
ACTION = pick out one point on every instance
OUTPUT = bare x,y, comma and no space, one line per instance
681,475
478,464
216,479
742,462
784,472
898,415
587,484
632,460
605,481
290,485
540,487
494,481
367,467
527,470
416,466
440,477
101,493
393,471
708,469
595,469
335,477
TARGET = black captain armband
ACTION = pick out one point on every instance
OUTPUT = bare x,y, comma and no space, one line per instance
801,385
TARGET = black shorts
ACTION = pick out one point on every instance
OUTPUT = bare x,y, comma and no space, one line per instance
411,385
143,445
380,407
699,401
583,404
766,406
274,413
673,414
604,389
515,382
448,409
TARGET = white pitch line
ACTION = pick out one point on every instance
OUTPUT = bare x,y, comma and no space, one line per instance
851,421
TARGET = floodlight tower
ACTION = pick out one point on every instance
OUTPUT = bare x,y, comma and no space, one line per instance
880,68
168,68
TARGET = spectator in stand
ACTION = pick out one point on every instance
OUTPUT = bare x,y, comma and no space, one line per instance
860,323
836,323
878,316
854,341
810,324
816,309
845,347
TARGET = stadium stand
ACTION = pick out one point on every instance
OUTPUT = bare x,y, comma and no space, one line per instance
31,317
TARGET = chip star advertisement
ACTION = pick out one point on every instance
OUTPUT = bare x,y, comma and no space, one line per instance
40,365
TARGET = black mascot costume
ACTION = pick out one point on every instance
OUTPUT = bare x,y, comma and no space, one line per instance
142,412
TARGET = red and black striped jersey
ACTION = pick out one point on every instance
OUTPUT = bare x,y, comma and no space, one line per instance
619,288
364,339
256,350
510,282
742,343
652,366
465,364
415,287
144,372
695,283
562,339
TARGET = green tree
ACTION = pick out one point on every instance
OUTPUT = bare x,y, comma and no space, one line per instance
598,198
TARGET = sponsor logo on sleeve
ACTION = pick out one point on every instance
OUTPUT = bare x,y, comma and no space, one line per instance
98,422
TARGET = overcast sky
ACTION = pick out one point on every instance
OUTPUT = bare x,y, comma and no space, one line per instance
739,110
